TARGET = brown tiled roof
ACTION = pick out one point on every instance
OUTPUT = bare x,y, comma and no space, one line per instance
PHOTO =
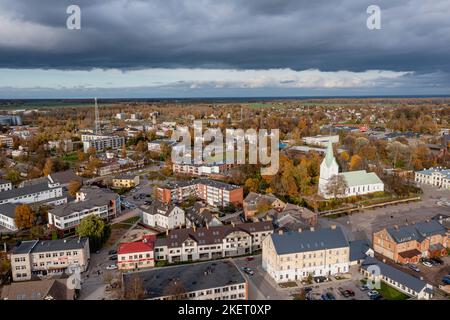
410,253
55,289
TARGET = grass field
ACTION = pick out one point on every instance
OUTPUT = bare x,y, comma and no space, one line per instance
389,293
71,157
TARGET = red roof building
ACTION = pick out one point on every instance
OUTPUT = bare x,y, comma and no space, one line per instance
136,255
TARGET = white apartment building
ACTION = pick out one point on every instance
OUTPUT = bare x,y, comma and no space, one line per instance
32,193
293,256
5,185
219,280
101,142
89,201
6,140
320,140
438,177
49,257
162,216
212,242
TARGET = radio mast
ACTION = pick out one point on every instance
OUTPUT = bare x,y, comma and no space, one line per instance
98,129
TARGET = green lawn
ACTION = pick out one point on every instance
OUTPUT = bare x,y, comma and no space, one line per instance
72,157
389,293
131,220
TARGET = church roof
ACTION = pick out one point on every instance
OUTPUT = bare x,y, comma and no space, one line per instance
361,177
329,157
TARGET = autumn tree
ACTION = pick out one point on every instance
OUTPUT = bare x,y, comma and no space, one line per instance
48,167
73,187
355,162
24,216
95,229
336,186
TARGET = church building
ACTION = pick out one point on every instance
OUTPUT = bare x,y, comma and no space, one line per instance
358,182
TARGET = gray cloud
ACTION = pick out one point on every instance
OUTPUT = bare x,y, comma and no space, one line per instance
257,34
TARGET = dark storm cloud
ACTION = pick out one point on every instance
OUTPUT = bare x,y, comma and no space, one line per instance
260,34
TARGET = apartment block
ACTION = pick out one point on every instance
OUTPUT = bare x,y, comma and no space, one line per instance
291,256
212,242
50,257
162,216
215,193
89,201
101,142
125,181
438,177
219,280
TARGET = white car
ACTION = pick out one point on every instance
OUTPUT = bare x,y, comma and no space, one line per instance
427,264
373,293
111,267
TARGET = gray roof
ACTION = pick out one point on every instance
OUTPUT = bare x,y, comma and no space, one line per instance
156,206
65,177
358,249
34,246
192,277
30,189
392,273
9,209
207,182
95,197
294,242
418,231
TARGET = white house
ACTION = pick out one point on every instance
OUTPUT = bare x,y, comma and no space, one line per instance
162,216
321,141
358,182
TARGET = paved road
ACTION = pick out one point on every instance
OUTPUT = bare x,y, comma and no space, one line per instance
363,224
261,287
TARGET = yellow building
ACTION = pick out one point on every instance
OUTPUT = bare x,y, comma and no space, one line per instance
294,256
125,181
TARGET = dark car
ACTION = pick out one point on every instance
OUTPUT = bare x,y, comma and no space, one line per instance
413,267
350,293
113,257
446,280
320,279
437,260
112,252
330,296
307,289
250,258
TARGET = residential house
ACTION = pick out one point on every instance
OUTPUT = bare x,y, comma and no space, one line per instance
438,177
125,181
410,242
46,289
136,255
255,203
162,216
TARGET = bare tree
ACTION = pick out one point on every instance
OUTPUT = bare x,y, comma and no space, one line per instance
134,289
336,186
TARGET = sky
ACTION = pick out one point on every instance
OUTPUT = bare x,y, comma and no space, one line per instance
218,48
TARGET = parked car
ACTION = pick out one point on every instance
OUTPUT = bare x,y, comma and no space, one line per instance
350,293
113,257
446,280
111,267
327,296
249,272
251,258
364,287
427,263
307,289
112,252
413,267
320,279
376,297
372,293
437,260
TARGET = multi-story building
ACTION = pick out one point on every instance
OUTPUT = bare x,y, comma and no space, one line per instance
125,181
215,193
89,201
291,256
49,257
219,280
5,185
212,242
10,120
136,255
101,142
438,177
201,169
44,192
162,216
409,243
321,141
